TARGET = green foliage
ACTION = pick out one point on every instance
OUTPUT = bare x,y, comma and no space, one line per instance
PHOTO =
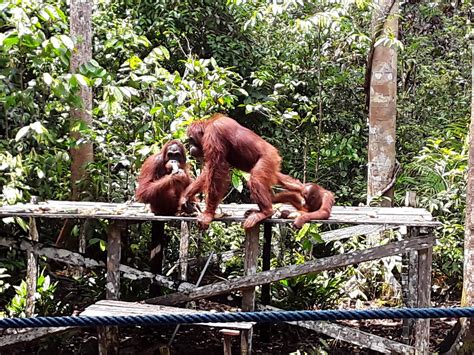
3,275
44,297
309,53
438,174
433,116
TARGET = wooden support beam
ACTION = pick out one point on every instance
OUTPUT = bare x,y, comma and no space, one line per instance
75,259
31,271
265,277
352,336
184,251
348,232
400,216
27,335
121,308
410,274
422,326
265,329
84,235
248,294
228,334
157,248
109,336
266,259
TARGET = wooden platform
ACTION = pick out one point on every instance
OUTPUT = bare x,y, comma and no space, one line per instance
415,247
120,308
407,216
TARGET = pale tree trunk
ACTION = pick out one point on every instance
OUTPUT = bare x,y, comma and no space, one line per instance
381,91
464,343
382,107
81,33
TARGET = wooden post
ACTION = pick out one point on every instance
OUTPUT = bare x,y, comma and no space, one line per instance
248,295
228,334
410,274
266,259
109,336
86,228
184,251
31,271
158,240
422,326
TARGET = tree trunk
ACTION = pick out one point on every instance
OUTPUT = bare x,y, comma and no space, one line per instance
81,32
82,154
382,108
464,343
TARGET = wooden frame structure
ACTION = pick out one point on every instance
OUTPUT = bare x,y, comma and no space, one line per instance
417,245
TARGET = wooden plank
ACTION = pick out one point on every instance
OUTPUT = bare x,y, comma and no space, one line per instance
121,308
81,208
51,206
264,277
352,335
345,219
231,213
75,259
422,326
348,232
251,247
26,335
31,271
357,337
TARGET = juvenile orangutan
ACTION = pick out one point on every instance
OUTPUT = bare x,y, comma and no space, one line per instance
314,201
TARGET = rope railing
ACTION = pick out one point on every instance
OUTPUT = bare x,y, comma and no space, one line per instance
223,317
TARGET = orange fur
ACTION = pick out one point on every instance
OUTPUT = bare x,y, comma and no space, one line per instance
313,200
224,143
158,186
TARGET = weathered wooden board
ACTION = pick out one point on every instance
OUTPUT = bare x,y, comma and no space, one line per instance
348,232
120,308
351,335
248,294
108,337
265,277
31,271
75,259
26,335
226,213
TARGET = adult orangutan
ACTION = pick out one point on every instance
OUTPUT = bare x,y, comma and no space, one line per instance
163,178
222,143
314,201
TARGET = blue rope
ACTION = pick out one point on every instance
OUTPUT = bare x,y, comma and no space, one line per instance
260,317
